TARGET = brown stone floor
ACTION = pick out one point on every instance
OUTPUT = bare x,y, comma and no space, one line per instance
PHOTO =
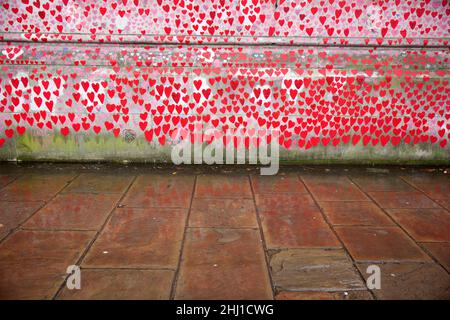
162,232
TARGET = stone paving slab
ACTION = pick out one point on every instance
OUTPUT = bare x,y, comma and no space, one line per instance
139,238
440,251
220,186
436,187
282,201
74,211
421,281
33,263
34,188
311,295
278,184
100,183
302,227
12,214
333,188
432,225
314,269
402,200
369,183
355,213
223,264
119,284
160,191
223,213
445,203
380,244
6,178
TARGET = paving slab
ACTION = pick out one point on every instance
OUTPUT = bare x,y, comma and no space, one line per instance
100,183
160,191
380,244
283,201
444,203
435,186
440,251
297,228
139,238
333,188
418,281
278,184
402,200
34,188
370,183
357,213
424,224
312,295
6,178
221,186
33,264
223,264
12,214
74,211
117,284
223,213
314,270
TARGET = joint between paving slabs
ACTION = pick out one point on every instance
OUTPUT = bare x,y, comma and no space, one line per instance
88,247
421,191
263,240
180,257
44,203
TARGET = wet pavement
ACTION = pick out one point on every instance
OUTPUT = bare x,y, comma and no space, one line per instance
164,232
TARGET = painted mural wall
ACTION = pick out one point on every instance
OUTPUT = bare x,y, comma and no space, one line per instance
339,80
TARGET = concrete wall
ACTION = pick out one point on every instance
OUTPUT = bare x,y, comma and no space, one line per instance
349,81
